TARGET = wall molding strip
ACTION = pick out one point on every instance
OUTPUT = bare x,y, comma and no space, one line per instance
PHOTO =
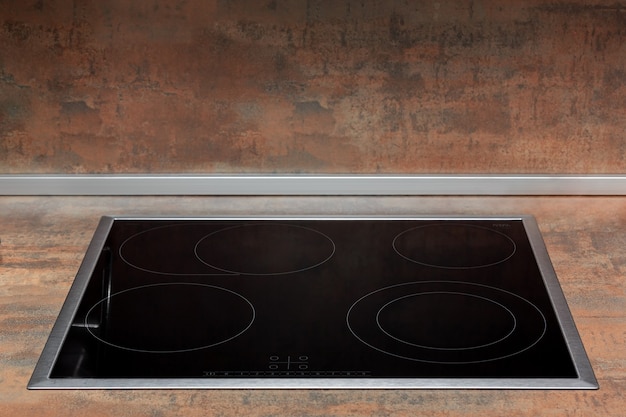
137,185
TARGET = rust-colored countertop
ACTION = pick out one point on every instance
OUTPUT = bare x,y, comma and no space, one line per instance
44,239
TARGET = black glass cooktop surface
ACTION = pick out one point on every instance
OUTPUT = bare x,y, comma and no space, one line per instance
315,302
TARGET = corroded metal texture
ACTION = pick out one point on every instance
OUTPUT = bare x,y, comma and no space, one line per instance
313,86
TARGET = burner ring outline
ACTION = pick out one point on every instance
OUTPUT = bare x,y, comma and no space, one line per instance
235,272
103,340
410,259
372,345
442,348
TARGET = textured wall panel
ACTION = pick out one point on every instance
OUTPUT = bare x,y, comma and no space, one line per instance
288,86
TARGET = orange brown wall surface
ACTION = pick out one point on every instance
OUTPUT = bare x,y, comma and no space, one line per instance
297,86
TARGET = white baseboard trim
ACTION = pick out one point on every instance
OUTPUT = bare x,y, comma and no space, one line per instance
137,185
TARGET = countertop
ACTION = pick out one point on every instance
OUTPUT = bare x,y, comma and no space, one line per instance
43,240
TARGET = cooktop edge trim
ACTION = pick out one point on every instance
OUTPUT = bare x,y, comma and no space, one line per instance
559,303
69,308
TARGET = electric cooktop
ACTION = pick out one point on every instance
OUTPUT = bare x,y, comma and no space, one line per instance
335,302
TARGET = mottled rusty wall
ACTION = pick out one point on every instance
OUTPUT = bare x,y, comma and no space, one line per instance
312,86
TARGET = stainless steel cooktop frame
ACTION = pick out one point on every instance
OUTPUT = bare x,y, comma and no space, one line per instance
41,375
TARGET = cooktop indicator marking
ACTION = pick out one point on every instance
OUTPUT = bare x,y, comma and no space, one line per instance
301,363
288,374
